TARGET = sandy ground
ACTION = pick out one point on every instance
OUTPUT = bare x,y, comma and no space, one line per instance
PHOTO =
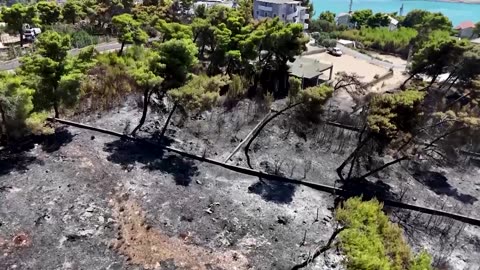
389,58
363,68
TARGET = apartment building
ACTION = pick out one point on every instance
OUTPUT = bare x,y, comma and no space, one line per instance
286,10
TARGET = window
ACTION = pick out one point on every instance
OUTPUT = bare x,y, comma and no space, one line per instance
274,15
283,15
265,14
258,12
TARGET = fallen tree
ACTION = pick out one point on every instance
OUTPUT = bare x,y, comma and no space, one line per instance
247,171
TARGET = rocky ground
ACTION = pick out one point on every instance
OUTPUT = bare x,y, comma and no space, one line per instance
84,200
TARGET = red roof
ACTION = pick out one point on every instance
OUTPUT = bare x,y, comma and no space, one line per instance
465,25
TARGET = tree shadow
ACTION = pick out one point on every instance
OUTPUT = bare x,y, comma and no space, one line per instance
14,161
53,142
438,183
367,190
127,153
17,157
271,190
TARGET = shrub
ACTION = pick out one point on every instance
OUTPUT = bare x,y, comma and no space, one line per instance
392,112
82,39
313,99
294,90
382,39
236,90
371,241
200,93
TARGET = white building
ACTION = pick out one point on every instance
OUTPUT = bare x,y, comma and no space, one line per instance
286,10
211,3
343,19
393,25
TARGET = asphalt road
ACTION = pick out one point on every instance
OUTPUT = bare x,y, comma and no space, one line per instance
103,47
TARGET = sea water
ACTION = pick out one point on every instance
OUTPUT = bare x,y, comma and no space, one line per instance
457,12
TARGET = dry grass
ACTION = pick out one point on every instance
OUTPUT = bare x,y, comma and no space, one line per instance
147,246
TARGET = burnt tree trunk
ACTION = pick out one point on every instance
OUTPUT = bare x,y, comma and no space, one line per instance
167,122
121,48
146,101
255,135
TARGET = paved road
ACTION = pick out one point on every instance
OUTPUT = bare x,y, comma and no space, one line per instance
370,59
103,47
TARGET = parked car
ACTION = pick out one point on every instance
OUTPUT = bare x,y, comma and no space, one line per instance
29,35
335,51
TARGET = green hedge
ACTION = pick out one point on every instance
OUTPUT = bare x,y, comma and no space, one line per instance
382,39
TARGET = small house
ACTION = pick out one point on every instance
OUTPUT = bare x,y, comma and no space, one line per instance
312,72
393,25
343,19
465,29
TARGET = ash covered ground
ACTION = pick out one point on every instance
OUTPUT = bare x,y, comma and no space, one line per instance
84,200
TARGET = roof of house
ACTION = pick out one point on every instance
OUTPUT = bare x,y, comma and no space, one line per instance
343,14
308,68
393,20
345,42
279,1
465,25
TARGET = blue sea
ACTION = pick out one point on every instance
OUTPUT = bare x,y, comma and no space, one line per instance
457,12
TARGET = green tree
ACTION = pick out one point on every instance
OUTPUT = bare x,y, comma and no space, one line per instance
17,16
327,16
415,18
246,9
15,105
129,30
370,241
426,22
476,30
173,30
321,25
282,42
309,6
378,20
177,58
73,10
142,64
313,99
390,113
437,53
105,10
46,67
49,12
360,17
199,94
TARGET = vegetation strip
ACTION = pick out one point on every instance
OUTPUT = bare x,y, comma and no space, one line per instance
320,187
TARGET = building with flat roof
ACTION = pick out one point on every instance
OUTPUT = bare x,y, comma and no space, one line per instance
287,10
311,71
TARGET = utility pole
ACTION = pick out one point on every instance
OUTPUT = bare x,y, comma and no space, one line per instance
350,7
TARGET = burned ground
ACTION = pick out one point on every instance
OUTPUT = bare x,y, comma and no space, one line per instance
102,203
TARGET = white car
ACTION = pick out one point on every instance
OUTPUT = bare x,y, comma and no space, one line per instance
29,35
335,51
